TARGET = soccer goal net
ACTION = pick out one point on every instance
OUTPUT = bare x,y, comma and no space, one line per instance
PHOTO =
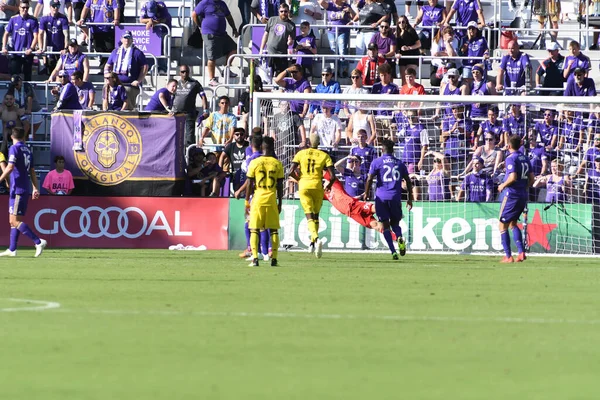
454,148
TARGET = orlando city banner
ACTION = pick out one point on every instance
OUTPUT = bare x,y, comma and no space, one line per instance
121,153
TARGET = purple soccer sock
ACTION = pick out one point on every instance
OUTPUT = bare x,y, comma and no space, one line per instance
264,241
387,234
505,240
397,230
518,238
25,230
247,231
14,239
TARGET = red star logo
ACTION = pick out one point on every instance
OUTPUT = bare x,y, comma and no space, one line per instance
537,231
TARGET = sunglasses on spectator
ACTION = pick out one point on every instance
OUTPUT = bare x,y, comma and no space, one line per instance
547,115
355,76
184,71
325,74
596,139
489,139
437,160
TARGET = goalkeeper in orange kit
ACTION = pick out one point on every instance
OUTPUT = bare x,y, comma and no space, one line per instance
360,211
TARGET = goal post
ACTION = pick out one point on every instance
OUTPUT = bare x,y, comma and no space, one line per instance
443,139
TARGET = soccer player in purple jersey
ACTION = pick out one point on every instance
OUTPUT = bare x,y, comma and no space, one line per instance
517,181
390,172
20,161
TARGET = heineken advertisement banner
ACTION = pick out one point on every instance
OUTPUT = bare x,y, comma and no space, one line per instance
456,227
121,153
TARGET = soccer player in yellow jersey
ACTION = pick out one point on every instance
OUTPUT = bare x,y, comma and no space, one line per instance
265,185
307,168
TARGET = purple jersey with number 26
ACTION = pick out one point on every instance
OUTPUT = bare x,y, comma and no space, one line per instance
389,171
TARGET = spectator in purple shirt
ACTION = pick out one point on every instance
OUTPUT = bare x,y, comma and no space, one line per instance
130,64
102,11
22,30
466,11
73,60
581,86
296,83
514,74
114,96
54,34
430,15
85,90
478,185
68,98
305,44
575,60
155,13
162,100
211,16
339,13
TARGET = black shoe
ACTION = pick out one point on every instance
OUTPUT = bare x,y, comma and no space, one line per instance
273,262
254,263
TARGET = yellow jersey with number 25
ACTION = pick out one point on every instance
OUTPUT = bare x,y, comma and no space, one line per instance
312,163
265,171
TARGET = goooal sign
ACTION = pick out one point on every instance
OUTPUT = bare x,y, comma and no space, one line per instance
128,222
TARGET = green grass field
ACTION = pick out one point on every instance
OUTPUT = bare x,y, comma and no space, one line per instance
202,325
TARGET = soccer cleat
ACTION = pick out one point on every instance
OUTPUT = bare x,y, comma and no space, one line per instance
254,263
507,260
401,246
521,257
8,253
395,256
274,262
311,248
319,249
265,257
260,257
39,248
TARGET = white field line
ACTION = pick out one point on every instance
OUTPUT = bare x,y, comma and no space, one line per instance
41,305
402,318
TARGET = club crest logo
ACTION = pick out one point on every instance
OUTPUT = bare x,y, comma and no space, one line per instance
112,149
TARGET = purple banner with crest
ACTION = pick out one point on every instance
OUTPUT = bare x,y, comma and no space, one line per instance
121,148
148,41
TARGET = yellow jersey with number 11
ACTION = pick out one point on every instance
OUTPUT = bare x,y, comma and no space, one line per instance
265,171
312,163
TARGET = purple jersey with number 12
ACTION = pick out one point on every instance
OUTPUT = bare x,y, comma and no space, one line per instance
518,163
389,171
20,156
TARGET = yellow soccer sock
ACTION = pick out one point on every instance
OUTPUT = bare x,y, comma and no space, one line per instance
274,243
316,229
254,241
312,230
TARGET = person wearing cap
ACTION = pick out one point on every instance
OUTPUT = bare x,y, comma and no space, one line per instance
54,35
551,70
452,87
280,32
154,13
479,185
296,83
105,12
369,64
72,60
327,85
68,98
305,44
22,35
162,99
576,60
581,86
514,73
210,16
466,11
475,48
44,7
372,14
130,64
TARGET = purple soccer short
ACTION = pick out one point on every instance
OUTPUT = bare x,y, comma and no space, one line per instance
17,204
511,209
388,210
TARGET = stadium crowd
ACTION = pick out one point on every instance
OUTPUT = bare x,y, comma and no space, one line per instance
453,152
